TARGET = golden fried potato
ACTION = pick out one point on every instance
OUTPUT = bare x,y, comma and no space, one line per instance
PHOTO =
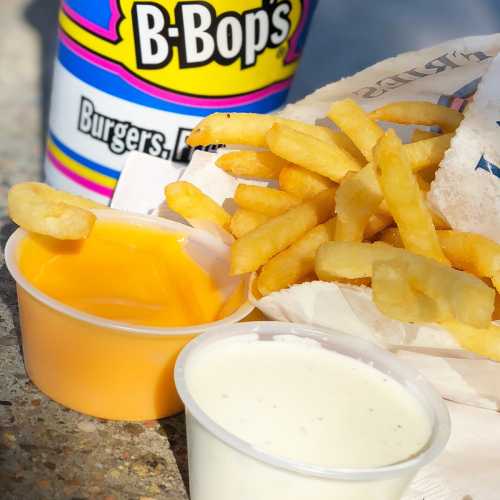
404,198
38,208
419,135
427,152
313,154
256,247
296,262
408,285
243,221
376,223
419,113
252,164
265,200
303,183
190,202
350,117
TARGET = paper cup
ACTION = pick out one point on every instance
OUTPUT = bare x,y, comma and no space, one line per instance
107,368
224,467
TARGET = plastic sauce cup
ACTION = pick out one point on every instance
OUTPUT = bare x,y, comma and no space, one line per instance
224,467
106,368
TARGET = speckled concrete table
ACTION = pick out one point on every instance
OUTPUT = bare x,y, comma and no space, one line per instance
47,451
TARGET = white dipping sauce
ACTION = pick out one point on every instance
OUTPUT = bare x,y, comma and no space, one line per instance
296,400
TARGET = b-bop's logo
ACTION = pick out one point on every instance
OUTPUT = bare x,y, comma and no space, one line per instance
209,50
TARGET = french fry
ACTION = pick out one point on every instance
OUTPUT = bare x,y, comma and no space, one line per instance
243,221
265,200
313,154
466,251
419,113
484,341
419,135
357,199
350,117
38,208
296,262
404,199
190,202
495,279
376,223
256,247
253,164
351,260
302,183
250,129
456,294
427,152
471,252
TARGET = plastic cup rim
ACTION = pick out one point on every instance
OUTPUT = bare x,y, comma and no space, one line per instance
440,417
128,328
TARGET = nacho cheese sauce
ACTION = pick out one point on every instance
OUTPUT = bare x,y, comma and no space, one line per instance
124,272
294,399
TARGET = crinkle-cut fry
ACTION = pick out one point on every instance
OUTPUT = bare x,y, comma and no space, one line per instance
38,208
296,262
306,151
256,247
243,221
471,252
252,164
419,113
427,152
456,294
482,341
419,135
265,200
302,183
404,198
376,223
351,260
357,199
351,118
190,202
250,129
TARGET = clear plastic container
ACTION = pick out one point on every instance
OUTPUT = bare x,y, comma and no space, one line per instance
224,467
107,368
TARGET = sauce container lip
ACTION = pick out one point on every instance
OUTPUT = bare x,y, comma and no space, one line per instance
127,328
342,343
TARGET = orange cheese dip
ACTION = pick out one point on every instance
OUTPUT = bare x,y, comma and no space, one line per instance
124,272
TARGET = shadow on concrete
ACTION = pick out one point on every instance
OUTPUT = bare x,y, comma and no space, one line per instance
42,16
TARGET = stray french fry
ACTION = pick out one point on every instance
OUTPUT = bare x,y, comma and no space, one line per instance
427,152
419,113
419,135
265,200
376,223
38,208
243,221
253,164
190,202
484,341
408,284
256,247
296,262
302,183
404,199
250,129
357,199
311,153
350,117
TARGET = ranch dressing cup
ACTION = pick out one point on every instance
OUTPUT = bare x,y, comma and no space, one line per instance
137,76
279,410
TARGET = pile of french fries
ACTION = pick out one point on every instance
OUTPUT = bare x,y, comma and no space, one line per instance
351,208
